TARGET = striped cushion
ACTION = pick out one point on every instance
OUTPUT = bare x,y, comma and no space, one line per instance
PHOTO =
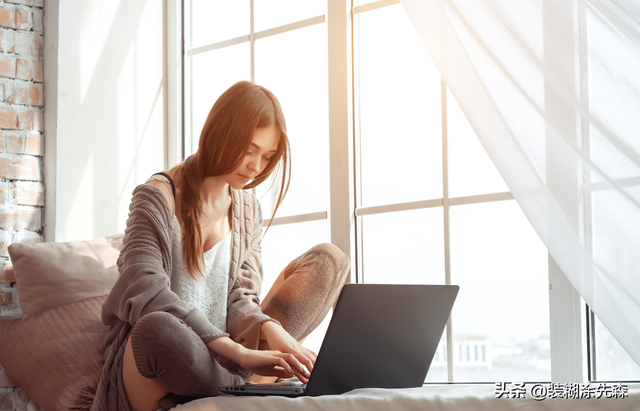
57,356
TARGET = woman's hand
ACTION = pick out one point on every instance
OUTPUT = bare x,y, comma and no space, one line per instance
271,363
278,339
262,362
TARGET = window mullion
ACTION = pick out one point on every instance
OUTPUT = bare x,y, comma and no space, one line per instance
342,205
187,74
174,136
445,208
357,158
252,40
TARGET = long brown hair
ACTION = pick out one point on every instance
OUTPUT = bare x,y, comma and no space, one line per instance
224,141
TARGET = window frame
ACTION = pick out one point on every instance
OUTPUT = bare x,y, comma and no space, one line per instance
568,333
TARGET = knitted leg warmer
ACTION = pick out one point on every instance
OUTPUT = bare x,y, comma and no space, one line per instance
165,348
311,287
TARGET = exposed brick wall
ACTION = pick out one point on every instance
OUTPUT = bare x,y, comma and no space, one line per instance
13,399
21,151
21,138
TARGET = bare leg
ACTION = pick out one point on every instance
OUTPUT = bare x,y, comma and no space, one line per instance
143,393
164,355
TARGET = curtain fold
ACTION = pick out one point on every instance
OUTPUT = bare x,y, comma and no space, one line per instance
552,90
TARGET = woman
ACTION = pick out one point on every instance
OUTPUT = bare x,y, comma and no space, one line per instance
184,315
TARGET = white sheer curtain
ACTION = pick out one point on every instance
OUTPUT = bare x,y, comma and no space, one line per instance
552,89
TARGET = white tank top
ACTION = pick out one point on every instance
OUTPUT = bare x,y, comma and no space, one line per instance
208,294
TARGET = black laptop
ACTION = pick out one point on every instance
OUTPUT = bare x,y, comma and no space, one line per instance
380,336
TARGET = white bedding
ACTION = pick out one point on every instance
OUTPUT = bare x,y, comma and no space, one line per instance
454,397
458,397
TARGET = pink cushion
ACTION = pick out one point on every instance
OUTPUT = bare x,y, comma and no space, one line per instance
52,274
57,356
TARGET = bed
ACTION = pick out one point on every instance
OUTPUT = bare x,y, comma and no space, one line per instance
459,397
447,397
55,352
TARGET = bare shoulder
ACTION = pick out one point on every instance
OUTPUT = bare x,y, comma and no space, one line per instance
162,183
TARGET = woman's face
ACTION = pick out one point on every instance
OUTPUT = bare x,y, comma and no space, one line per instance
263,146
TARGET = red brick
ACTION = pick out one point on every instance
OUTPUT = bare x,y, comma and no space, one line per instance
24,70
37,20
6,399
20,167
27,237
29,70
6,239
19,92
25,2
28,43
6,271
28,119
5,193
20,218
9,275
6,298
13,144
7,17
29,193
25,118
9,117
7,66
24,20
34,144
38,75
12,141
21,399
5,321
23,168
8,41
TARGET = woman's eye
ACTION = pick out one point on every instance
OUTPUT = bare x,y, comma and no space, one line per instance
267,158
249,152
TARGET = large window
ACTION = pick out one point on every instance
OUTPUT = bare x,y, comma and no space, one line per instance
607,359
281,45
384,165
433,209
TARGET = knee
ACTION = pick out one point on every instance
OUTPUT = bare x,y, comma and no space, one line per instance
154,328
335,258
157,338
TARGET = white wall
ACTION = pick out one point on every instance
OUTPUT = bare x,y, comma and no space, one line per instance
104,117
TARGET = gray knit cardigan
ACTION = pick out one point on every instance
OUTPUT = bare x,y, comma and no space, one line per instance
144,286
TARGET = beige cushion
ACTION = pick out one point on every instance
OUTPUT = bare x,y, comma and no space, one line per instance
57,356
52,274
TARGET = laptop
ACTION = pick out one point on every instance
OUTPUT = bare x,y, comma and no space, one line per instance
380,336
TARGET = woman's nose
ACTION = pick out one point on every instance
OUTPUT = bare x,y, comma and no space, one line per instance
254,165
